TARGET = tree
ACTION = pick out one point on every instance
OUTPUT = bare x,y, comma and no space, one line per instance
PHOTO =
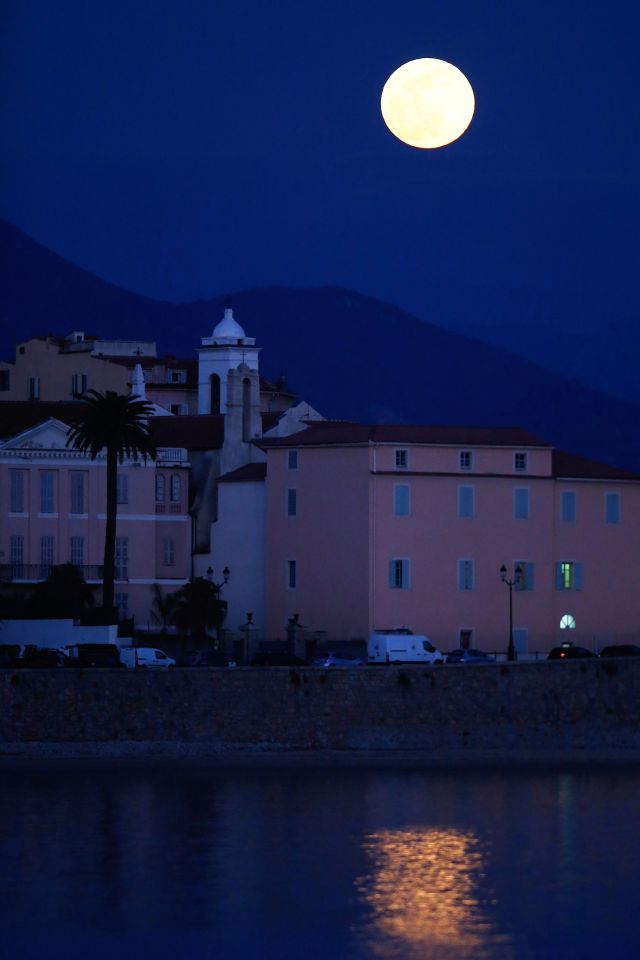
162,607
198,608
64,593
119,425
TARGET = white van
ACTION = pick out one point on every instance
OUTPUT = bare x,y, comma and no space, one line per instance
402,646
145,657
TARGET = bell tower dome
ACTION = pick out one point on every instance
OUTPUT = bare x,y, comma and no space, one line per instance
223,352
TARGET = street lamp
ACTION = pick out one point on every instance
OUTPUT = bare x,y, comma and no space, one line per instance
515,582
217,587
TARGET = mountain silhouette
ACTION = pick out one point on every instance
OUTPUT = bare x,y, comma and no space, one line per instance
351,356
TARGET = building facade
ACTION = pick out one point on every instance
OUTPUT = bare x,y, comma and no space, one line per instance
372,528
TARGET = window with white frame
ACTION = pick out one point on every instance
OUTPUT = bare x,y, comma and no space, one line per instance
122,558
399,573
160,488
520,462
292,460
16,556
466,460
523,575
401,499
612,507
568,506
568,575
292,502
122,488
78,384
47,555
168,552
521,503
77,481
465,574
466,502
292,574
401,459
567,621
76,551
174,488
47,498
16,491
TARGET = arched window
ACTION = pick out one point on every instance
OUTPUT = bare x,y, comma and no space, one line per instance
214,386
160,488
567,622
174,487
246,409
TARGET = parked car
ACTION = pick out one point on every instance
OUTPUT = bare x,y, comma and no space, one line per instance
207,658
43,657
402,646
94,655
621,650
569,651
145,658
333,660
470,656
277,659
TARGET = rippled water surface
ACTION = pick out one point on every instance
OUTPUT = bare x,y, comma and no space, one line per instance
176,862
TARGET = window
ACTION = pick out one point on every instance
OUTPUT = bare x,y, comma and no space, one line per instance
47,555
122,558
160,487
521,503
16,556
16,491
568,575
122,605
466,504
292,502
76,551
466,460
47,504
292,460
78,384
214,393
402,459
34,388
567,622
5,380
401,500
292,575
246,409
168,552
174,488
568,506
526,578
77,492
399,574
465,638
465,574
612,507
520,462
122,494
176,376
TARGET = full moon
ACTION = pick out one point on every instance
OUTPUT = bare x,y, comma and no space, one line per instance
427,103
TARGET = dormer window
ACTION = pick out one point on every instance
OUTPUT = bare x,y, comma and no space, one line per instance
466,460
176,376
402,459
520,462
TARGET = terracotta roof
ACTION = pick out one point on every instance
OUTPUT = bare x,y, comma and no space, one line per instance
19,415
194,431
336,432
247,474
566,466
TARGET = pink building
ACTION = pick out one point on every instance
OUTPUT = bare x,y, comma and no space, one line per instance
52,510
377,527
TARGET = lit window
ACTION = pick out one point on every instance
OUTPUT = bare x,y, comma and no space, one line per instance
466,502
612,508
568,506
567,622
292,460
401,500
521,503
465,574
399,574
466,460
568,575
520,462
402,459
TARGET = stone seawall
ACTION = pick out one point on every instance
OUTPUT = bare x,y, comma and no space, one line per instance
590,705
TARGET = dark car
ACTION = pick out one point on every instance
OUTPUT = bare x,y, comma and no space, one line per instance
10,654
621,650
43,657
469,656
206,658
94,655
569,651
277,659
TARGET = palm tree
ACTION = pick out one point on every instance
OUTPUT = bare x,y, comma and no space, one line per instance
198,608
118,424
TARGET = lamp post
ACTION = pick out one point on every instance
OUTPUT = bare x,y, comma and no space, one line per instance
515,582
217,587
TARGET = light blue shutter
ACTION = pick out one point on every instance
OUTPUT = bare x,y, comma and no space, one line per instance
392,574
465,501
521,498
612,508
401,497
568,507
529,576
405,574
577,576
559,580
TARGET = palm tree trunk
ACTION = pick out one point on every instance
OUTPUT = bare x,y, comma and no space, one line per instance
108,575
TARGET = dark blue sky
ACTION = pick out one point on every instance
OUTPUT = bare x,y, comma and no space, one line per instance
185,149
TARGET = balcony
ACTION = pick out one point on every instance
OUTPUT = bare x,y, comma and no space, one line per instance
35,572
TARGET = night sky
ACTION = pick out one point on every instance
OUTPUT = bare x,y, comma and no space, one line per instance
186,149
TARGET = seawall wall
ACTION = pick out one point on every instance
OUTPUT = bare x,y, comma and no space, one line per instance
536,706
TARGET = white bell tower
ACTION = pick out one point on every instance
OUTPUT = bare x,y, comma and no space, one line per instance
224,351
